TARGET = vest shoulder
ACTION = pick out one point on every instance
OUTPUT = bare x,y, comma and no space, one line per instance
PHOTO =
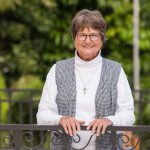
65,61
111,62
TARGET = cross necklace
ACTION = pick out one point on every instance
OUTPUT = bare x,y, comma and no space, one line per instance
85,84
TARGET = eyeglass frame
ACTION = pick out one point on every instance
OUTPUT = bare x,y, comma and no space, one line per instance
98,36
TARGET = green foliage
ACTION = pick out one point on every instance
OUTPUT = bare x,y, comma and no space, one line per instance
2,81
28,82
119,33
23,99
8,4
37,33
3,97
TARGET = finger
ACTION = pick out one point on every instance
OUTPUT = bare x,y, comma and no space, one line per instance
95,125
73,127
65,128
104,128
90,124
69,129
77,125
99,128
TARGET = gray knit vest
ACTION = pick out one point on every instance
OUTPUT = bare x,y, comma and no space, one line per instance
105,98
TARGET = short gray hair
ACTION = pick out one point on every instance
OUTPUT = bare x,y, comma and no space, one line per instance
88,18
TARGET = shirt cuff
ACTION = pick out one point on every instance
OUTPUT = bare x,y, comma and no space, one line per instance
112,118
58,119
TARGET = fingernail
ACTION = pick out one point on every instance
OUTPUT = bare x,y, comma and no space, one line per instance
103,132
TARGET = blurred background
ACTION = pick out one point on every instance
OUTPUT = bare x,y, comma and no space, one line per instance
34,34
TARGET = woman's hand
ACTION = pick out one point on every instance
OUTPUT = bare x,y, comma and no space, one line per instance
99,125
70,124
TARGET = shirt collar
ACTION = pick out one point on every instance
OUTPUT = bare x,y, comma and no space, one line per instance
84,64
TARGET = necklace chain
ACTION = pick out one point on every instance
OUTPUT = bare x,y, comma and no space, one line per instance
86,83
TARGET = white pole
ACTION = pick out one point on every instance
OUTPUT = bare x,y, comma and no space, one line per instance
136,58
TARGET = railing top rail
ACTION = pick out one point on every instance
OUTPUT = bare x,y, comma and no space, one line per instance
32,89
19,90
139,128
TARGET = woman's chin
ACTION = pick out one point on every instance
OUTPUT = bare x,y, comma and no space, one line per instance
88,57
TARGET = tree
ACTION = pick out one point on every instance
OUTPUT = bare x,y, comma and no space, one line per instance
8,4
35,34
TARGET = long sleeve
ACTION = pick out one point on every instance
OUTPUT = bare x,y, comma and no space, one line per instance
48,111
125,105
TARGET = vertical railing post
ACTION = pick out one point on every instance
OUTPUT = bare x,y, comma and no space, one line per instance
17,139
20,112
114,140
0,111
140,113
65,141
9,92
31,107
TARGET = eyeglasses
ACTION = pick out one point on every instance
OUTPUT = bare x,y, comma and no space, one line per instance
93,37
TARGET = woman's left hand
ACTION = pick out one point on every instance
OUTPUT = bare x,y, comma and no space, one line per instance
99,125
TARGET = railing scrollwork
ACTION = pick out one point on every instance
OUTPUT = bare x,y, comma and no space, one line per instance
8,139
26,135
125,140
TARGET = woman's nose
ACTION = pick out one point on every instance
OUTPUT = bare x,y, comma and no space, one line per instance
88,39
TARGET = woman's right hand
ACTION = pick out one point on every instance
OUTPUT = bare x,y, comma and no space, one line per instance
70,124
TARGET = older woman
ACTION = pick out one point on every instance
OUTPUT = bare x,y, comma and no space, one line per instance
87,89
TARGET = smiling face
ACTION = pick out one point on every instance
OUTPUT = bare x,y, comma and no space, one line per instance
88,49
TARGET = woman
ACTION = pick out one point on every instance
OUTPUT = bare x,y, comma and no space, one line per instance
87,89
